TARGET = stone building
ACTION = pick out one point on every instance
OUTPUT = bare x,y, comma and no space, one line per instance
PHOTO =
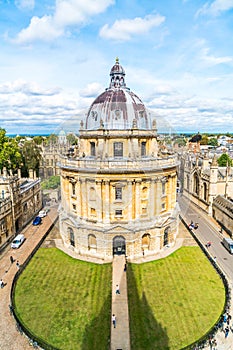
20,199
50,156
202,179
223,213
118,192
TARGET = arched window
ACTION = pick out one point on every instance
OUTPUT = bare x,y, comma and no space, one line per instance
145,242
166,235
205,189
187,179
196,184
25,207
144,192
92,245
73,189
71,236
92,194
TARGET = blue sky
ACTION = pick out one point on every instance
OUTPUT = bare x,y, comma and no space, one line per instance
56,56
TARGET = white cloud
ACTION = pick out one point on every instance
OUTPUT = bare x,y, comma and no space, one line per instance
25,4
215,8
67,13
213,60
124,29
92,90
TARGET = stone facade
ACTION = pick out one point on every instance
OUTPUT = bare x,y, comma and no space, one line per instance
223,213
20,199
117,195
202,180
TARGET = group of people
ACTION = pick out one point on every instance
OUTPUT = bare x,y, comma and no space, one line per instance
193,225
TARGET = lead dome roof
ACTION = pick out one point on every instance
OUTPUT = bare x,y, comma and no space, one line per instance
117,107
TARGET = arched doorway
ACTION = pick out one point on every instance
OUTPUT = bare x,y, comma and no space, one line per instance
145,242
166,236
118,245
71,236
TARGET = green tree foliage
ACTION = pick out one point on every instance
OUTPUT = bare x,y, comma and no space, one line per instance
51,183
224,160
10,156
31,156
204,140
72,139
38,140
52,138
213,141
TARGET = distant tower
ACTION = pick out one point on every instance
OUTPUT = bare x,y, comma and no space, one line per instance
213,185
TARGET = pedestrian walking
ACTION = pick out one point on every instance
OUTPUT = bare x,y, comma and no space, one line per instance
11,259
225,317
114,320
226,331
117,289
214,344
228,319
125,268
1,283
18,264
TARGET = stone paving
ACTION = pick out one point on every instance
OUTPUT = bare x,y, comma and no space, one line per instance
120,338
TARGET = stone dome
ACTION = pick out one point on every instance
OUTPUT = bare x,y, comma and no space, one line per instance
117,107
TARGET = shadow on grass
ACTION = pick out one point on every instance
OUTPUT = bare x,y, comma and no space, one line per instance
145,332
97,333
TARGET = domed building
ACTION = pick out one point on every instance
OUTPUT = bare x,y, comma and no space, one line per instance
118,190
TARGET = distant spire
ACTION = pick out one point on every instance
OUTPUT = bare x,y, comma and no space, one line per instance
214,161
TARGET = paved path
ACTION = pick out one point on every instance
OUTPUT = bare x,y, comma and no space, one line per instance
120,338
10,339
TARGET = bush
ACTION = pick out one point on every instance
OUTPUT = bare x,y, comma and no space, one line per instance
51,183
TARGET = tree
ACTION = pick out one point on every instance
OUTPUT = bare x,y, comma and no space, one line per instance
38,139
224,160
204,140
72,139
52,182
213,141
10,156
52,138
31,157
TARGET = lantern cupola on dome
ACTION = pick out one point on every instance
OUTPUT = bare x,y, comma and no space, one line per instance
117,107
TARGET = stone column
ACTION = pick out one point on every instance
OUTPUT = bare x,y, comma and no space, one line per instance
151,199
130,198
158,196
99,200
137,198
168,185
79,197
106,201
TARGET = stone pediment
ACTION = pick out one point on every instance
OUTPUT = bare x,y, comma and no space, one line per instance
119,229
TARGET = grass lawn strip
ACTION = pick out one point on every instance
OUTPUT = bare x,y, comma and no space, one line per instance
173,301
65,301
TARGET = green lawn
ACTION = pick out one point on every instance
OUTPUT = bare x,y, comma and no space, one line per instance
66,302
173,301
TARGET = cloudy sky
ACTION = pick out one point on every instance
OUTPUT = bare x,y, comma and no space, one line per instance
56,56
